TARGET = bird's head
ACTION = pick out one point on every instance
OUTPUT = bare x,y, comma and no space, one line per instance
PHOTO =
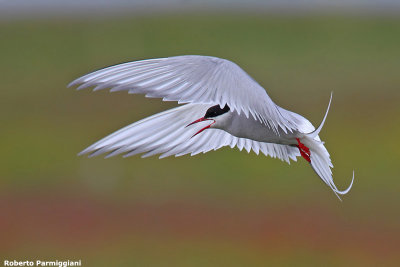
215,114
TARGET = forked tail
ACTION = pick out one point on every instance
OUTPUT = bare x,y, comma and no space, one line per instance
320,159
316,131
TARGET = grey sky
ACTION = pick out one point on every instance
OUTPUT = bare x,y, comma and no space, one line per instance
18,8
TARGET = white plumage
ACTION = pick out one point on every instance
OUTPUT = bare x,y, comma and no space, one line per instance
250,119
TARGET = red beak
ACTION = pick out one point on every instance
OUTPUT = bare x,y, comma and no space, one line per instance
196,121
200,120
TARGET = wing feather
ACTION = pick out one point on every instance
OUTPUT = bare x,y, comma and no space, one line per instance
193,79
165,133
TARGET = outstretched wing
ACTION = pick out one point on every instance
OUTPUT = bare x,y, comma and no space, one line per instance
166,133
193,79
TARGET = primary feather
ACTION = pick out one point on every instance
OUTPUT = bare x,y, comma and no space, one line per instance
192,79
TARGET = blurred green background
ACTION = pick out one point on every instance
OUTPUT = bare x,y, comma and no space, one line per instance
224,208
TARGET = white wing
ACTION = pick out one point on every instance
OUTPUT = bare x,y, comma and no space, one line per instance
165,133
193,79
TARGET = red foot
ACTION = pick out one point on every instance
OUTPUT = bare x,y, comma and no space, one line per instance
304,151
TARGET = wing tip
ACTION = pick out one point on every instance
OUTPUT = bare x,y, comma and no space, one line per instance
73,83
83,152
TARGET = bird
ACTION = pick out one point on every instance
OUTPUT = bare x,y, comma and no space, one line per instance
219,105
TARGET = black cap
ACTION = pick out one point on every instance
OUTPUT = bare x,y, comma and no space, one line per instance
215,111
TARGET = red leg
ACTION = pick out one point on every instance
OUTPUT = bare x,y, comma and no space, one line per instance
304,151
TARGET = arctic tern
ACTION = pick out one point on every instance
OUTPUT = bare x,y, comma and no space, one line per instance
223,106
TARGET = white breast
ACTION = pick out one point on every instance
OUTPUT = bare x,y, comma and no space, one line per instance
243,127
